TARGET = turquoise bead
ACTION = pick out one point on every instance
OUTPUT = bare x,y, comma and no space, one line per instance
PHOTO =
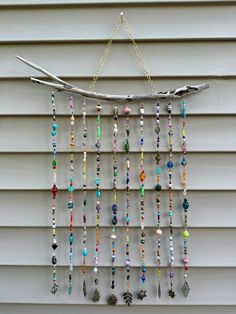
127,219
98,193
170,214
71,238
53,132
144,269
85,252
54,126
71,188
97,181
158,170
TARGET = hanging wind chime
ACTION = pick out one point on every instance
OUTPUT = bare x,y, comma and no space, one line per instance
112,298
170,165
185,288
85,250
54,191
142,292
71,193
61,85
96,294
158,172
127,295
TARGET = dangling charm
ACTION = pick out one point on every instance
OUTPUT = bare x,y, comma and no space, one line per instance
127,295
54,191
185,288
158,201
112,299
142,292
96,294
85,250
170,165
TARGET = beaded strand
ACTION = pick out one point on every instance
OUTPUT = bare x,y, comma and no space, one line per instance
54,191
96,294
71,190
185,287
142,293
170,164
85,250
112,299
158,200
127,295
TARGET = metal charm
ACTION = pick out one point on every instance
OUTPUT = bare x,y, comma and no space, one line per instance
185,289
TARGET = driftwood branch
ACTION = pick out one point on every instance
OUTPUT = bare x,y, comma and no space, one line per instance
67,87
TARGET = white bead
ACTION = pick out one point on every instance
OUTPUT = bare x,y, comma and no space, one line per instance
171,248
95,269
159,232
142,110
72,123
185,275
172,258
141,123
113,236
171,238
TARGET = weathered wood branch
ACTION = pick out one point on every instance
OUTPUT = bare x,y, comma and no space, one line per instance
67,87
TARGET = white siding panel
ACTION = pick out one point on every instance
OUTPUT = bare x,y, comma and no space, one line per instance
31,208
71,24
210,286
32,246
204,134
163,59
206,171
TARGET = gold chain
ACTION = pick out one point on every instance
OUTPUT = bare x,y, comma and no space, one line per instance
122,20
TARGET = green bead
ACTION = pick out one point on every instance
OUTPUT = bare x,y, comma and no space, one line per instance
54,163
142,190
186,234
127,147
115,173
99,132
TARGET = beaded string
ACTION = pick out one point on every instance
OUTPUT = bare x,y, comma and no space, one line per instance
112,299
85,250
171,292
96,294
142,292
54,191
71,190
127,295
185,287
158,200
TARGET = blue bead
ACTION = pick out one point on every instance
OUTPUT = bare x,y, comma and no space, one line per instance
158,170
85,252
71,238
144,269
184,162
97,181
170,164
127,219
54,126
71,188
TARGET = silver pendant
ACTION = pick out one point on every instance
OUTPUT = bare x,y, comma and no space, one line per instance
185,289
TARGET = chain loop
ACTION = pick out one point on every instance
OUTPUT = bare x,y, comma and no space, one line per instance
122,20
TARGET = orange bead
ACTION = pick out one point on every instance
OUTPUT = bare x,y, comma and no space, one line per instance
142,175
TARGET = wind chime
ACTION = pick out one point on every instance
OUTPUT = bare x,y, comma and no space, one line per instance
61,85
